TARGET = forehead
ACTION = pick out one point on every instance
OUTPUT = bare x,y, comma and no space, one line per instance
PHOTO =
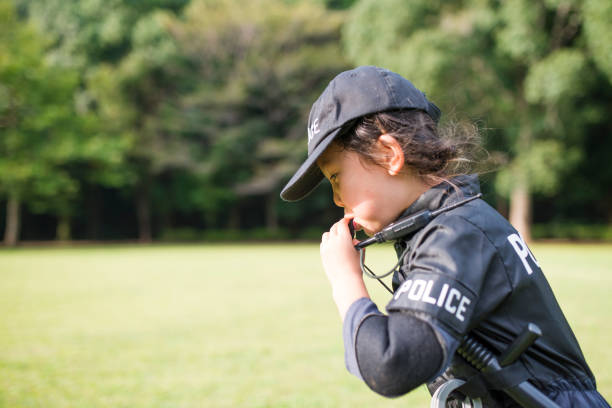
330,156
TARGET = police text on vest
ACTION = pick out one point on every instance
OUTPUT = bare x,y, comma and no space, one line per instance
447,297
522,250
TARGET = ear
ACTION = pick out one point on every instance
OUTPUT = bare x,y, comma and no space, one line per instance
392,153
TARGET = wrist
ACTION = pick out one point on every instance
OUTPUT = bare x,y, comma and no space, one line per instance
347,292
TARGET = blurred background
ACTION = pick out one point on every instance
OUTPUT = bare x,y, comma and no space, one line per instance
177,120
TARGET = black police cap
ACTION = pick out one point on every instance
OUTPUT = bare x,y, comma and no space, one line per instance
350,95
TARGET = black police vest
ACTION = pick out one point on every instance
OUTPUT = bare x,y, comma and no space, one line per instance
469,271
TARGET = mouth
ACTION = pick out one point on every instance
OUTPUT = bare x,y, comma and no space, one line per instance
359,227
354,226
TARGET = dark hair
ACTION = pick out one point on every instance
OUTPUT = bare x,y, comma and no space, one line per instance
436,154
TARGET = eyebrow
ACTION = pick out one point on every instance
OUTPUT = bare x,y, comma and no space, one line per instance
324,175
322,161
324,158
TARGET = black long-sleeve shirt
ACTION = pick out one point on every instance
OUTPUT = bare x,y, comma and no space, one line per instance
396,346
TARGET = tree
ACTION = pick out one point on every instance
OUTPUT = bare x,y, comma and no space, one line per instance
258,66
122,54
42,132
525,66
209,105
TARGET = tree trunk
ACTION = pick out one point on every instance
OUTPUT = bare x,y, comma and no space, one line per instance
520,196
233,222
95,213
165,223
11,231
143,210
501,205
271,212
520,209
62,232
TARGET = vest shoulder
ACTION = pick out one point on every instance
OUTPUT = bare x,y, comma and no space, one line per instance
479,214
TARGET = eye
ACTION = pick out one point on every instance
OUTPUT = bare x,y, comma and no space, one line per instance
334,178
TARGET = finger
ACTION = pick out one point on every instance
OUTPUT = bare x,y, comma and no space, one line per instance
343,226
335,229
351,227
340,228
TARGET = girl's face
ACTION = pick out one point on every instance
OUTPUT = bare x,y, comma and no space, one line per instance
371,194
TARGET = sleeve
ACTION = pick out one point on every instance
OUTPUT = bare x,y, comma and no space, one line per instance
391,354
454,277
359,310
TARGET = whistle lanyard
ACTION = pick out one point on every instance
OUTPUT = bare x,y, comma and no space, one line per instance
370,274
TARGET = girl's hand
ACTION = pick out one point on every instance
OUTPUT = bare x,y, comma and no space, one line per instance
341,264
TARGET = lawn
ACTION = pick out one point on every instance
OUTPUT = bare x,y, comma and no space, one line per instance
218,325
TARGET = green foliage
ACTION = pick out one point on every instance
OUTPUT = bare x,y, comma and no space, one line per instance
542,163
85,32
196,109
226,235
560,76
597,17
373,35
257,68
209,105
573,231
152,47
524,66
43,133
521,34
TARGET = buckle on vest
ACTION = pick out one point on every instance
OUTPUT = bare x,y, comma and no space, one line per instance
439,398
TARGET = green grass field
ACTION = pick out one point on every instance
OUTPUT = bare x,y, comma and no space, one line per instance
218,325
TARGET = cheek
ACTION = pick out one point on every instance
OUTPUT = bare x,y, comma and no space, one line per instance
365,203
375,206
362,192
352,192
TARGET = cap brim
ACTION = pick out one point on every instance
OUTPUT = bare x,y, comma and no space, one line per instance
309,175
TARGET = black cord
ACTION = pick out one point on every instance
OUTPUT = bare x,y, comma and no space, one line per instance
368,272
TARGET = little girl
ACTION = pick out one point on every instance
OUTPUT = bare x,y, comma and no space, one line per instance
374,136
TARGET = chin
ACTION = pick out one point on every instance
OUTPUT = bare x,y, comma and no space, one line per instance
370,230
370,233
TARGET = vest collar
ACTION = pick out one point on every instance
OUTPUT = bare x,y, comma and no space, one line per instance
444,193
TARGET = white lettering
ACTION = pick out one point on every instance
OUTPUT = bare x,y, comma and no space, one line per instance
451,299
442,295
530,253
416,292
522,251
462,308
426,296
313,129
454,293
403,289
